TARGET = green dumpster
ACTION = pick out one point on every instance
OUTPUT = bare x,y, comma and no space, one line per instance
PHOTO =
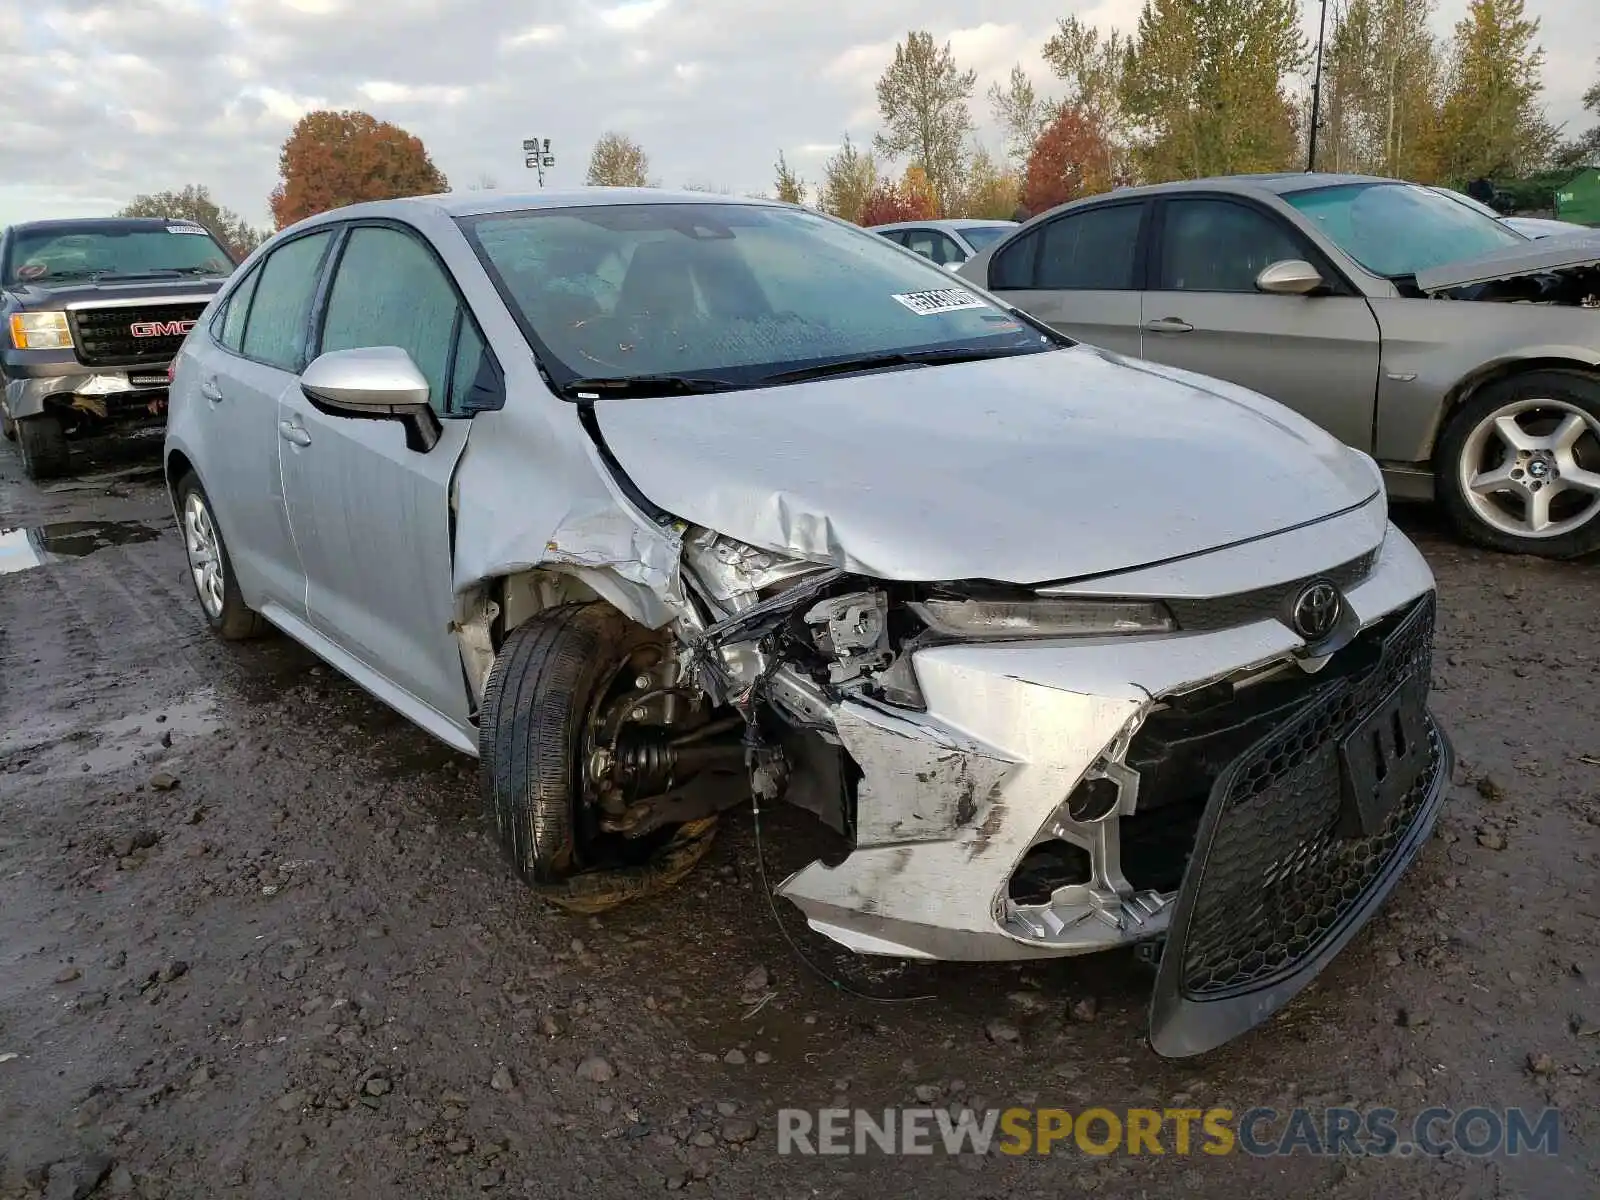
1579,198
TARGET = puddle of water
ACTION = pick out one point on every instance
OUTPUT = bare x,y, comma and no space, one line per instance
24,549
123,742
114,745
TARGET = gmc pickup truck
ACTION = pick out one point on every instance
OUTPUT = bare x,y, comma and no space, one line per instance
92,311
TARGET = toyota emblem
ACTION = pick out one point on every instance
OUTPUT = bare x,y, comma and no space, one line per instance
1316,610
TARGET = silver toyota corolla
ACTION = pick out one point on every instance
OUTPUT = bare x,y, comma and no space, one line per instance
657,503
1463,356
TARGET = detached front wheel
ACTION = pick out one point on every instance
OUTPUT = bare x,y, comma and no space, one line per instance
1519,465
561,685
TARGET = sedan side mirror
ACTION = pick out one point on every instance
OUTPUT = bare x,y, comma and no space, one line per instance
375,383
1291,277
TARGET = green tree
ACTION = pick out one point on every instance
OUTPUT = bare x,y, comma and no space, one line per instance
1382,76
849,177
790,188
1019,112
990,190
1584,150
618,161
194,203
1204,86
1091,65
1492,123
923,98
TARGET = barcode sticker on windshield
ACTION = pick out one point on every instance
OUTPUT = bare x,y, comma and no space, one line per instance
943,300
184,229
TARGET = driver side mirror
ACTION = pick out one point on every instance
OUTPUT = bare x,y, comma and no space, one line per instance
374,383
1291,277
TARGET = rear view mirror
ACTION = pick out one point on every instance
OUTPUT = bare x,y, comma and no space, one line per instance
1291,277
377,383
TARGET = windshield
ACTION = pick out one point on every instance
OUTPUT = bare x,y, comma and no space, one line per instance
45,255
727,295
1475,205
979,236
1398,229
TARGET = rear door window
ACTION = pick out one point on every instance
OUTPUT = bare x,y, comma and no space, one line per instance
1091,250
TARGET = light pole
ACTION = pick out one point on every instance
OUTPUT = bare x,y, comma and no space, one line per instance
537,156
1316,90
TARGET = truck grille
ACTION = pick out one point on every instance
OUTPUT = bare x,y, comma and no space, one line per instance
106,337
1283,870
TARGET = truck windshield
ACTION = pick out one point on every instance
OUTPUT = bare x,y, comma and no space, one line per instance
90,252
651,298
1398,229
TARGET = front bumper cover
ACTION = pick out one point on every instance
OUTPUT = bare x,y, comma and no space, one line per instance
104,392
952,799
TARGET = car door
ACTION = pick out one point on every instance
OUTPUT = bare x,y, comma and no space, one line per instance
371,517
1079,273
258,337
1318,354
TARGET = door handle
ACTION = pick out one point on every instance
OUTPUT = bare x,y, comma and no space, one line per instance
1167,325
210,388
291,431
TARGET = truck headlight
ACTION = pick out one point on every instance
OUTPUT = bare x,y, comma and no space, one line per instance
1043,618
40,331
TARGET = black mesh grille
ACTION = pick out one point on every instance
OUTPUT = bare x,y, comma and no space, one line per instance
130,336
1281,874
1241,608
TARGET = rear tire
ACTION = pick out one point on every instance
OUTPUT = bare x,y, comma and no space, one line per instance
210,568
43,442
1518,466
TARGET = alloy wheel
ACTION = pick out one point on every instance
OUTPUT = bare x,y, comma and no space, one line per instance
1531,468
205,554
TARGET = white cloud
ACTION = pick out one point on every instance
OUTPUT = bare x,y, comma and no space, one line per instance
108,98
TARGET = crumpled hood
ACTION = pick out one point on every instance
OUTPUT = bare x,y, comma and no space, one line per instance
1533,258
1024,470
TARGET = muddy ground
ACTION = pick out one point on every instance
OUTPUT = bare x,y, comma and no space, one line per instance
253,941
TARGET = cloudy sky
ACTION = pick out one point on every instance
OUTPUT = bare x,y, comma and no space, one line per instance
108,98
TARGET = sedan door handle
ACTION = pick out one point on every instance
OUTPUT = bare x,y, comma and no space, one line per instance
290,431
1168,325
211,389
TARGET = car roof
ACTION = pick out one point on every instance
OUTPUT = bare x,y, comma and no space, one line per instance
955,224
1277,183
98,224
475,204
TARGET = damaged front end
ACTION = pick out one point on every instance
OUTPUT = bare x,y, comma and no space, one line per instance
1019,775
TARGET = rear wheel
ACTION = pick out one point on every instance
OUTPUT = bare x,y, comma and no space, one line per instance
210,568
560,679
1519,465
43,442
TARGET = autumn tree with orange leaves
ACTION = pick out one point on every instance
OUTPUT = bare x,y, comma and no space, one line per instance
1071,158
336,158
910,199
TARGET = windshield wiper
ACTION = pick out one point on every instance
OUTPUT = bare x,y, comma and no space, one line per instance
639,387
899,358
